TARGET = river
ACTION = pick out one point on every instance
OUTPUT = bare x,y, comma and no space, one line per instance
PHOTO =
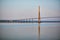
29,31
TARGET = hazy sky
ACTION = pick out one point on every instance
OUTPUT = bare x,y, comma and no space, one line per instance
19,9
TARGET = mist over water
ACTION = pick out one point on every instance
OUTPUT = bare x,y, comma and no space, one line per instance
29,31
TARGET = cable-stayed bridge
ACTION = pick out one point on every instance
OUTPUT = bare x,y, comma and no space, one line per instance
32,20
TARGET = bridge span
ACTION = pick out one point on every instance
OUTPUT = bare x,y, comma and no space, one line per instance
31,20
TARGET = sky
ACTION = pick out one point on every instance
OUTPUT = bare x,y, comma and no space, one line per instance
21,9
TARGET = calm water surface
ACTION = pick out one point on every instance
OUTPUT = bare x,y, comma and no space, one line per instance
29,31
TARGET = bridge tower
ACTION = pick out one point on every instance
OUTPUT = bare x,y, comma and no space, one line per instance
38,22
38,14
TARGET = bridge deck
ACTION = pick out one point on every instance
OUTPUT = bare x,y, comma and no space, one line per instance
19,21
